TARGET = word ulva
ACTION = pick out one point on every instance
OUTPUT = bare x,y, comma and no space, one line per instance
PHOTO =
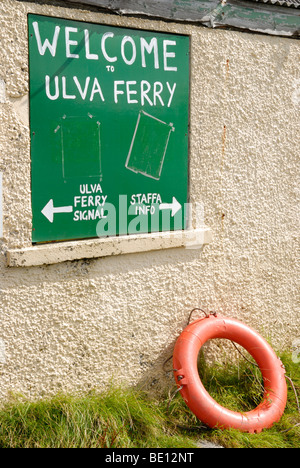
132,92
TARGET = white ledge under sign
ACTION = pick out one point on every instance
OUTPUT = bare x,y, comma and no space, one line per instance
48,254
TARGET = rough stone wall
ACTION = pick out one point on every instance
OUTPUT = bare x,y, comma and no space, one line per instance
80,325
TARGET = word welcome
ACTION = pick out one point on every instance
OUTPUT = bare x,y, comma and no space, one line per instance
130,47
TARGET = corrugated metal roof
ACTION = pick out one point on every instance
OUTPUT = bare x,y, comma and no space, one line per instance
249,15
284,3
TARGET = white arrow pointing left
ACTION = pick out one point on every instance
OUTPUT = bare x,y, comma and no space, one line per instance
50,209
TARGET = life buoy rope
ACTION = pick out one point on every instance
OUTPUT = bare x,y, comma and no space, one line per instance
186,374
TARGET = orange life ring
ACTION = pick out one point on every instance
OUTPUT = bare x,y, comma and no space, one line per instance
198,399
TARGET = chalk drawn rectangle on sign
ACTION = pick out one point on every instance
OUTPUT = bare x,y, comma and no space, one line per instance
81,147
149,146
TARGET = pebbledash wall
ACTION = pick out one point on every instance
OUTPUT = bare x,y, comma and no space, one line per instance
82,314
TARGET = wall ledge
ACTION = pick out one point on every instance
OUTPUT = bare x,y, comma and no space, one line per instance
48,254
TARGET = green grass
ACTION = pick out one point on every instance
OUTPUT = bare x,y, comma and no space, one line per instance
127,418
241,390
115,419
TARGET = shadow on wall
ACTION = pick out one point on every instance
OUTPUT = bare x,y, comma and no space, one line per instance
158,375
93,268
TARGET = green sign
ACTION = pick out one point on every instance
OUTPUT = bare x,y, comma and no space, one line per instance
109,111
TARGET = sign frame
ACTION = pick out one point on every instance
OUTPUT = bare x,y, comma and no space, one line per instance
120,98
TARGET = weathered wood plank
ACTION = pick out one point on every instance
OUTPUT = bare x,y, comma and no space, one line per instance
238,14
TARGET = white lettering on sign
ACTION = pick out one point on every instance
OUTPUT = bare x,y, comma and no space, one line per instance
133,51
70,43
149,47
148,52
47,45
90,197
145,91
103,47
88,54
148,198
64,89
90,188
96,90
50,96
89,200
168,55
130,48
88,215
61,88
144,203
133,92
82,92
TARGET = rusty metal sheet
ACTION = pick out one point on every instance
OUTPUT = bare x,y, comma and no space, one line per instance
286,3
237,14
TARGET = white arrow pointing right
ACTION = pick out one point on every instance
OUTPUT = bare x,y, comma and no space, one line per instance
49,210
174,206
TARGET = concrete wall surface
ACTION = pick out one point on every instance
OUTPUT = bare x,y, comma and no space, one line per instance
78,325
